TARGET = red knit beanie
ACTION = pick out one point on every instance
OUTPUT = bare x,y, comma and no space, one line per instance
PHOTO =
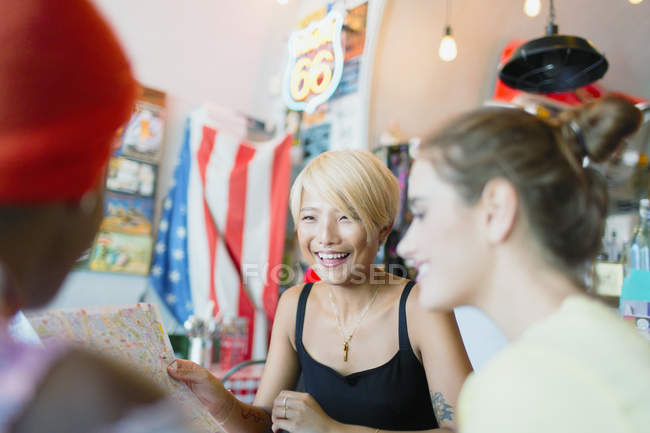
65,87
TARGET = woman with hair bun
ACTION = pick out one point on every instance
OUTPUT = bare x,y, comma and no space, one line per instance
508,219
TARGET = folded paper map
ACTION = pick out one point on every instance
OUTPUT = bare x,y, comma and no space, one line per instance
133,335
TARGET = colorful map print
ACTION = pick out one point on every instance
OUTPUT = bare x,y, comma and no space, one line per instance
132,335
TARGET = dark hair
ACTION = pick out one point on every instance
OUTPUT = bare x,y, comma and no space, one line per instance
565,203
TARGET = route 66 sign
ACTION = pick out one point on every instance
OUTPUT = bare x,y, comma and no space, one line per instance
315,63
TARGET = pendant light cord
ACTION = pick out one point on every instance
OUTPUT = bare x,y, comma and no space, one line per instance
551,28
447,13
551,13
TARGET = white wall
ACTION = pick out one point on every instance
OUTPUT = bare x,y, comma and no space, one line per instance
220,51
416,89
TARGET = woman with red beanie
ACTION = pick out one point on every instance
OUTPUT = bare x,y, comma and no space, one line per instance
65,87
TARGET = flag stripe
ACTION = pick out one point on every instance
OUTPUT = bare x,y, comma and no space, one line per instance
237,203
281,173
197,243
255,259
203,156
234,232
227,280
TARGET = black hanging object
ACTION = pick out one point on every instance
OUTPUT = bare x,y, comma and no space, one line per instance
553,63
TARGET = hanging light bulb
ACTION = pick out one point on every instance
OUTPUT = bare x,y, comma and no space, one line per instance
532,7
635,2
283,2
448,49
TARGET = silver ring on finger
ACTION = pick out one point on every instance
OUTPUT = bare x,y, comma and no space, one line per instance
285,409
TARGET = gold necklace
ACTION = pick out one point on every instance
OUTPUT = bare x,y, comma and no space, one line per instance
339,324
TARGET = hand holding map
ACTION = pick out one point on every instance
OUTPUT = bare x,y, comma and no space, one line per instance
131,335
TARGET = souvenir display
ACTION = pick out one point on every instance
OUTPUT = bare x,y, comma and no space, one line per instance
142,137
120,252
131,177
128,214
124,243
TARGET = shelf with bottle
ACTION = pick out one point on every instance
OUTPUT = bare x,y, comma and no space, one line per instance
635,292
628,178
607,273
625,251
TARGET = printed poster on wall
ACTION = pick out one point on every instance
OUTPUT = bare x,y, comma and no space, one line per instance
127,214
315,52
124,242
121,252
315,140
129,176
354,39
142,137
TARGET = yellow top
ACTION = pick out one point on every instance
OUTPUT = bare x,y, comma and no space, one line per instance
582,369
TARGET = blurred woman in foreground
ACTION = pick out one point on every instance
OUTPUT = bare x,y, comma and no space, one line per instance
509,220
65,88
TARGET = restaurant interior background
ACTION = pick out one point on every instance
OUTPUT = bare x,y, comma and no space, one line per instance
232,53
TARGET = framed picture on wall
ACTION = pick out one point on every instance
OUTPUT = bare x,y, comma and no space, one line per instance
142,136
129,176
315,140
127,214
124,243
121,252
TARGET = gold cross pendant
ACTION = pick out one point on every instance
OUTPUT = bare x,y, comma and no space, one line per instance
345,351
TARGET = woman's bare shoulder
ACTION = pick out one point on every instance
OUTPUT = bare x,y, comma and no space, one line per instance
292,292
285,315
289,299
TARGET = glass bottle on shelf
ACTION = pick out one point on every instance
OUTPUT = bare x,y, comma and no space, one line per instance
610,249
639,253
228,347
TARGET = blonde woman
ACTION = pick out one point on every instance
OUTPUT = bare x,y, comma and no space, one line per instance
521,219
371,357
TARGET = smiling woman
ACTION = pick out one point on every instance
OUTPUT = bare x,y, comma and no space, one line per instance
364,369
345,199
521,218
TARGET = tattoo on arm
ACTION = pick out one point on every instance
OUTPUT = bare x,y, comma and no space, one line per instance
443,411
247,413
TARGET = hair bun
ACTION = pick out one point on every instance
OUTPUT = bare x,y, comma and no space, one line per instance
598,128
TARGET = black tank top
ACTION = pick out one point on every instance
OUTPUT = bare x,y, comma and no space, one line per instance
393,396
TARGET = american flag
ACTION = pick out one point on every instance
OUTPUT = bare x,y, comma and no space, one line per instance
232,222
169,271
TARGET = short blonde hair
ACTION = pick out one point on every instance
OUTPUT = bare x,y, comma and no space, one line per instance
353,181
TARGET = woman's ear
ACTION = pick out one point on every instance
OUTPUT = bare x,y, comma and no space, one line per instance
499,204
384,232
